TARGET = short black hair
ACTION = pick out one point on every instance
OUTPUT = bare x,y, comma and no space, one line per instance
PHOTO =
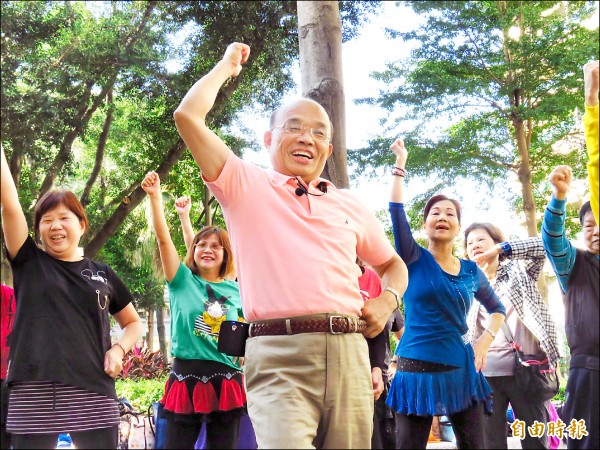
585,209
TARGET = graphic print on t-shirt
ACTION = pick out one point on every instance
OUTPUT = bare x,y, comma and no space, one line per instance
215,312
99,276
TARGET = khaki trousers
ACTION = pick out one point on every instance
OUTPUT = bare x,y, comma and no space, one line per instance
310,390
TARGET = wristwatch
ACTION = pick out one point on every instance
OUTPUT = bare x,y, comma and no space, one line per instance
396,294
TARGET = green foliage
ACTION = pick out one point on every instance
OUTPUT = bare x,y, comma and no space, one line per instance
144,364
141,393
489,104
393,344
561,395
67,66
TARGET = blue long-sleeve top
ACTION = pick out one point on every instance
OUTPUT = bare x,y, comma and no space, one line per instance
436,303
561,252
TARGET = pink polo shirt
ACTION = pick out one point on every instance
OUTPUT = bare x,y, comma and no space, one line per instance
296,255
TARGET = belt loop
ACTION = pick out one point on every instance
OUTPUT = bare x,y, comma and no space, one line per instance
288,326
250,330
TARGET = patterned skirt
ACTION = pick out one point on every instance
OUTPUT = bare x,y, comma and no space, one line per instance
197,388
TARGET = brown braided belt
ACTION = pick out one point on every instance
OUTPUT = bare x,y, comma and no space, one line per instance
332,325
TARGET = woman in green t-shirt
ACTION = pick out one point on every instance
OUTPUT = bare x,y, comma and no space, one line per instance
205,385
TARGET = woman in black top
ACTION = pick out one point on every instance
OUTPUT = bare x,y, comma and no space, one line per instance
62,365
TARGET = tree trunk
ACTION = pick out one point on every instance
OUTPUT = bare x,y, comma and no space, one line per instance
160,328
320,37
524,174
16,165
85,113
150,334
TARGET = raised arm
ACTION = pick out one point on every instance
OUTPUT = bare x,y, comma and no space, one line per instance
397,195
590,126
406,246
183,205
208,150
560,251
530,250
14,223
168,253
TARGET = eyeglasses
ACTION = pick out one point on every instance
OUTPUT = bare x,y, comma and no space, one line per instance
298,128
213,246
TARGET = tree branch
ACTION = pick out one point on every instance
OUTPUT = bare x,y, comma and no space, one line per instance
85,197
130,202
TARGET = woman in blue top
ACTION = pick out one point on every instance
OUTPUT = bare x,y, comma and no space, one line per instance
438,372
205,385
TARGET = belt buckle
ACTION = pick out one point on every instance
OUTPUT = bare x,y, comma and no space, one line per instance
331,324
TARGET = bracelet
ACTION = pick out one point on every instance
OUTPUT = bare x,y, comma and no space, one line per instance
121,347
396,295
398,171
491,333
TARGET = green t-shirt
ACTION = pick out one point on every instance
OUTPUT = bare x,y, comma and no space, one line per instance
198,308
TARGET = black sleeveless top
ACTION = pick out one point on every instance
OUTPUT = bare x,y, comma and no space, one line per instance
581,305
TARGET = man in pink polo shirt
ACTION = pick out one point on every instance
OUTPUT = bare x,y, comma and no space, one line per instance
296,238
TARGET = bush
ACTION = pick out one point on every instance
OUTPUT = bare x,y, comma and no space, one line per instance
141,393
560,395
144,364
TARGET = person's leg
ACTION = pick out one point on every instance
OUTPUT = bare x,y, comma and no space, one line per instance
347,416
223,430
583,407
181,434
102,438
285,385
527,410
494,425
378,424
34,441
412,431
468,427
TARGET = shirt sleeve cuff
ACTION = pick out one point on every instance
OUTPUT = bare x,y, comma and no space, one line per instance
506,248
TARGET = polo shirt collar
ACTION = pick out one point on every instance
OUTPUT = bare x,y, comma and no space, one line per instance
281,179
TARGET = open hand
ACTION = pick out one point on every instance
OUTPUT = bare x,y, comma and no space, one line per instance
484,259
480,348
